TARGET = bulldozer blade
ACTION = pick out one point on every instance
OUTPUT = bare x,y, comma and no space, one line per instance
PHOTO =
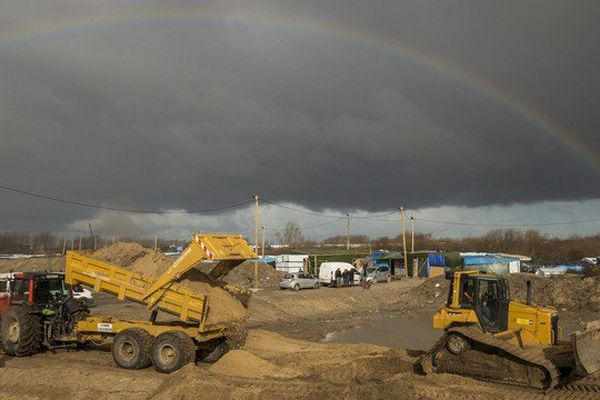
586,346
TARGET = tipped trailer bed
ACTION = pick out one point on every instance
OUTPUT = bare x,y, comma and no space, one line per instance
138,344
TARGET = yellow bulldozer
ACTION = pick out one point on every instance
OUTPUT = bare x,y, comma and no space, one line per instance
488,336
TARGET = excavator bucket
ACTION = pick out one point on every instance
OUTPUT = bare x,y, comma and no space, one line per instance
586,348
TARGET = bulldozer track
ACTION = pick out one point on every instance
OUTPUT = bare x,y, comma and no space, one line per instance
580,388
532,358
588,384
505,393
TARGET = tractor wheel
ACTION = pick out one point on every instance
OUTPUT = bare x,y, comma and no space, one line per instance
21,332
131,349
172,350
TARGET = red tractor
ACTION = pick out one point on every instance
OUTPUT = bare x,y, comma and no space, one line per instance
37,311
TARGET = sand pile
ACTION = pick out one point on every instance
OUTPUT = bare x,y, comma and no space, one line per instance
243,364
32,264
121,253
222,306
243,275
271,366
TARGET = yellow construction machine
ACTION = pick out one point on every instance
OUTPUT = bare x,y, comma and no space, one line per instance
28,327
490,337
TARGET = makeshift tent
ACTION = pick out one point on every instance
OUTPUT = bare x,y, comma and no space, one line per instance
395,260
492,263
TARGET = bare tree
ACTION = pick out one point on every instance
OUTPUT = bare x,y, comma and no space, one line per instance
291,235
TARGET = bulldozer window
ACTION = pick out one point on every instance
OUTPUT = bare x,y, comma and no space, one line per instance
488,297
467,293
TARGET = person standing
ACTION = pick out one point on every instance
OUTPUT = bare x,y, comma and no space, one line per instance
338,278
345,278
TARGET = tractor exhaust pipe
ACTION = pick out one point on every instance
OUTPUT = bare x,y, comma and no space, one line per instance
528,300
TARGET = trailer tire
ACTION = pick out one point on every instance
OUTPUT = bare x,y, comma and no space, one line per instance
131,349
216,352
21,332
172,350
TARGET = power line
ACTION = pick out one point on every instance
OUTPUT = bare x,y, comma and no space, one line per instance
323,215
335,218
309,227
127,210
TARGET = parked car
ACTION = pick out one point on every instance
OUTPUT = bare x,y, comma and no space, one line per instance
379,274
298,280
327,272
83,295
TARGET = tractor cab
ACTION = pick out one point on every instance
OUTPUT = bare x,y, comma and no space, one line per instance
35,289
475,297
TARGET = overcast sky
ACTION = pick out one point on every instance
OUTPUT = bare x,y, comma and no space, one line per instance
326,106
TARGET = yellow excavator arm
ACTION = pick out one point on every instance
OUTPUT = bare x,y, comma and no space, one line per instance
226,249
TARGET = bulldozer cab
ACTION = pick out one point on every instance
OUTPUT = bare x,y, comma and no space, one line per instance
486,295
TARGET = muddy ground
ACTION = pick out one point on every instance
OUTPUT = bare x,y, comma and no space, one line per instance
284,356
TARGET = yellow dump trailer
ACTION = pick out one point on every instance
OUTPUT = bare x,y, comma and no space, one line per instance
167,346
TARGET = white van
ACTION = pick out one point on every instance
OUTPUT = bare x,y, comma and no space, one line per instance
327,272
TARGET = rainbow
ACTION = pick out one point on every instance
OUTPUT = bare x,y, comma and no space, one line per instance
170,12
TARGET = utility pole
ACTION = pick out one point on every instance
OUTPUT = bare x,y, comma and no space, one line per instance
412,233
155,242
404,239
256,225
79,242
348,233
91,235
263,241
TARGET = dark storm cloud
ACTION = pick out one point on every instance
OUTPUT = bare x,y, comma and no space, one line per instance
191,115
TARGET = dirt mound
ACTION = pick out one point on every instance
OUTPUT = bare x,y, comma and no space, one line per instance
433,291
564,291
121,253
243,364
568,291
243,275
222,306
56,263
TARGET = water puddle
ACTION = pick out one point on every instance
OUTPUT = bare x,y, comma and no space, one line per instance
414,332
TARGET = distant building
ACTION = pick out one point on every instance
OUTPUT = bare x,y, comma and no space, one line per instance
291,262
495,263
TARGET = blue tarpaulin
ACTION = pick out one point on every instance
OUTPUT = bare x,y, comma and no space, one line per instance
376,255
486,260
436,260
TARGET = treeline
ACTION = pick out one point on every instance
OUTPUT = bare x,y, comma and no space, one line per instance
539,246
48,243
